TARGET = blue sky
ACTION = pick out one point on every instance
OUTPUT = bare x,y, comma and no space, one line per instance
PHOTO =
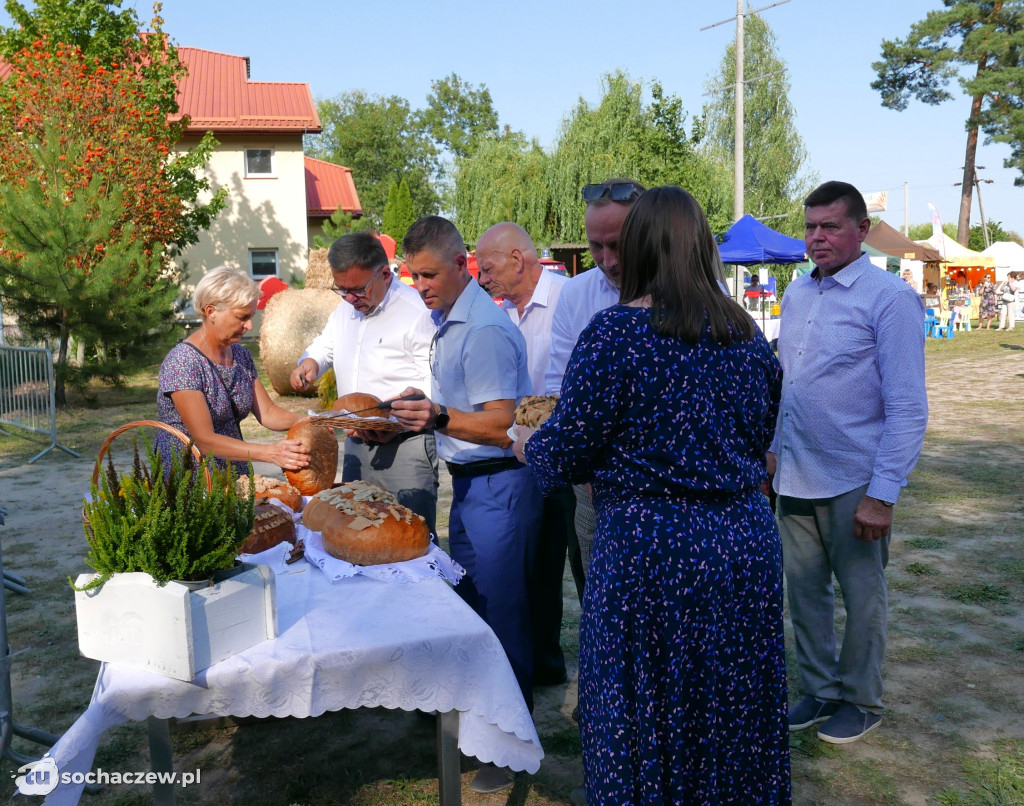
537,58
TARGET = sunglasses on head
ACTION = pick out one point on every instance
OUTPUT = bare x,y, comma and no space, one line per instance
617,191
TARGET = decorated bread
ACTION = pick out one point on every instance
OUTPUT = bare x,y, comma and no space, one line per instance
323,458
364,524
357,402
535,409
272,525
267,487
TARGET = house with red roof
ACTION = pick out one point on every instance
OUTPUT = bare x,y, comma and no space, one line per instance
277,197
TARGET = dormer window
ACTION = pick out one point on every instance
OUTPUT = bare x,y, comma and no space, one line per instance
259,162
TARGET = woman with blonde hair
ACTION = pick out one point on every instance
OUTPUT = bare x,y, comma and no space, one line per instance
209,383
668,407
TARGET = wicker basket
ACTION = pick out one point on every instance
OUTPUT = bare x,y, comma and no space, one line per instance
170,429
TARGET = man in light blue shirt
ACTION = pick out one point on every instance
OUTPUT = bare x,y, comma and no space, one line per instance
479,367
850,428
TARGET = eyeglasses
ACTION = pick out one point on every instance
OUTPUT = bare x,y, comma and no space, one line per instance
358,293
617,192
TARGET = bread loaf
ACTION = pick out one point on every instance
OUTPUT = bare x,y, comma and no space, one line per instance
364,524
267,488
535,409
323,458
272,525
357,401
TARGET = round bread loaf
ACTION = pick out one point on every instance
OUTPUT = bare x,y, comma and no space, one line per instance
535,409
272,525
267,487
364,524
357,401
323,458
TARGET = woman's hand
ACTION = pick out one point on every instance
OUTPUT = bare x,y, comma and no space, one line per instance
288,454
523,434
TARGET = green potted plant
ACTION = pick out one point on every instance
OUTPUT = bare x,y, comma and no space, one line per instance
151,532
164,521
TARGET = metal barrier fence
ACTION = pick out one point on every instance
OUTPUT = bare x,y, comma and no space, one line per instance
26,394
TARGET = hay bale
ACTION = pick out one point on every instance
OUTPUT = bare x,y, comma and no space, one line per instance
318,273
291,320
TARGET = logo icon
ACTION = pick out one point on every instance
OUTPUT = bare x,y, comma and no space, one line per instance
39,777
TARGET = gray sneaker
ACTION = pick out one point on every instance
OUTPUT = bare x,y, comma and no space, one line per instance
848,725
809,711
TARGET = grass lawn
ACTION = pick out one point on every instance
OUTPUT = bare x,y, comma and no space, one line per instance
953,734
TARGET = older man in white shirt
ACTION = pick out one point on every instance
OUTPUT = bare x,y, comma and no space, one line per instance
509,270
378,341
608,204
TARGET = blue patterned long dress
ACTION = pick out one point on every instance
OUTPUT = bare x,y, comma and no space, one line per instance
682,666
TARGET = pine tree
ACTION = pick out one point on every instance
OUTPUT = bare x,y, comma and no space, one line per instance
984,38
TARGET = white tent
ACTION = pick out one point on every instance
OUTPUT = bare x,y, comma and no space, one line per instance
1009,256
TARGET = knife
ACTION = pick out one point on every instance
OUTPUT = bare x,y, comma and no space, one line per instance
386,404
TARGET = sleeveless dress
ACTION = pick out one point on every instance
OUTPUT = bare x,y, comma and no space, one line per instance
683,696
229,396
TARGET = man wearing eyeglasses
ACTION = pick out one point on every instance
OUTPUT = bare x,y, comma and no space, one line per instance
378,341
608,204
479,372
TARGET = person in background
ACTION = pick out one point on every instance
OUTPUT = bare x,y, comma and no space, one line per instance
479,369
608,204
1008,297
208,383
377,340
509,270
989,303
668,406
850,428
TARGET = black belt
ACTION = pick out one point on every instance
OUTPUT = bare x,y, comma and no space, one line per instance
400,438
483,467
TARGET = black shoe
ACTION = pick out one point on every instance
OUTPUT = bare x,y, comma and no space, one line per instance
809,711
490,778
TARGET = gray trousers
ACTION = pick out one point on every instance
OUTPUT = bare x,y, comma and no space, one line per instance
585,521
408,468
817,544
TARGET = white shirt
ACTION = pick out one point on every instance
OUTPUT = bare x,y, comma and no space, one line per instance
380,353
535,324
582,297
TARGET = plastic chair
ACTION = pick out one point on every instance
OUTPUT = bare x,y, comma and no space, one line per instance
944,327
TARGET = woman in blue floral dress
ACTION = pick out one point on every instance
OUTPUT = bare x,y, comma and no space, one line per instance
668,407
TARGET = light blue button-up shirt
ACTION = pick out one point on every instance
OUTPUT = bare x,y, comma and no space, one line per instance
854,408
478,355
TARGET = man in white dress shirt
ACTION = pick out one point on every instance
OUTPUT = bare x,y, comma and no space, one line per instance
378,341
509,270
608,204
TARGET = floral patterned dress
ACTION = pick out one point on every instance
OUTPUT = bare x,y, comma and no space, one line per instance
229,393
987,309
682,668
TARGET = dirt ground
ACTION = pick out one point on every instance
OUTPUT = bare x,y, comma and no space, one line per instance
955,666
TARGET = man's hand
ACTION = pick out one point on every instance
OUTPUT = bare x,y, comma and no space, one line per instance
523,434
304,374
770,463
872,520
415,415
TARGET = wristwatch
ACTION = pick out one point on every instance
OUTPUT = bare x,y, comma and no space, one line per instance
888,504
443,418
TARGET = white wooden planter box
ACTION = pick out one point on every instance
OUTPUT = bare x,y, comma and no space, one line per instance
171,630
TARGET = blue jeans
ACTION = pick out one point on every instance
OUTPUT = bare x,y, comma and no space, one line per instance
817,544
492,533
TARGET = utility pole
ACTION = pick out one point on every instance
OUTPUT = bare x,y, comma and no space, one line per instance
738,136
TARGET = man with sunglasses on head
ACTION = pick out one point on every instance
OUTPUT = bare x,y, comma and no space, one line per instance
378,341
608,204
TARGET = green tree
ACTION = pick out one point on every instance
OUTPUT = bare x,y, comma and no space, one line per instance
380,140
398,213
995,233
71,264
506,180
980,44
623,136
340,223
923,231
459,116
773,151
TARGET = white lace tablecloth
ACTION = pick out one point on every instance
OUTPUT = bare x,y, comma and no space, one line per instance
356,643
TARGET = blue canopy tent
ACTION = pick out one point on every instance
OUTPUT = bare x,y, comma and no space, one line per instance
748,242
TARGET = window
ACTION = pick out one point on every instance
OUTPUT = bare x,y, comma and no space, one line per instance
263,263
259,162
